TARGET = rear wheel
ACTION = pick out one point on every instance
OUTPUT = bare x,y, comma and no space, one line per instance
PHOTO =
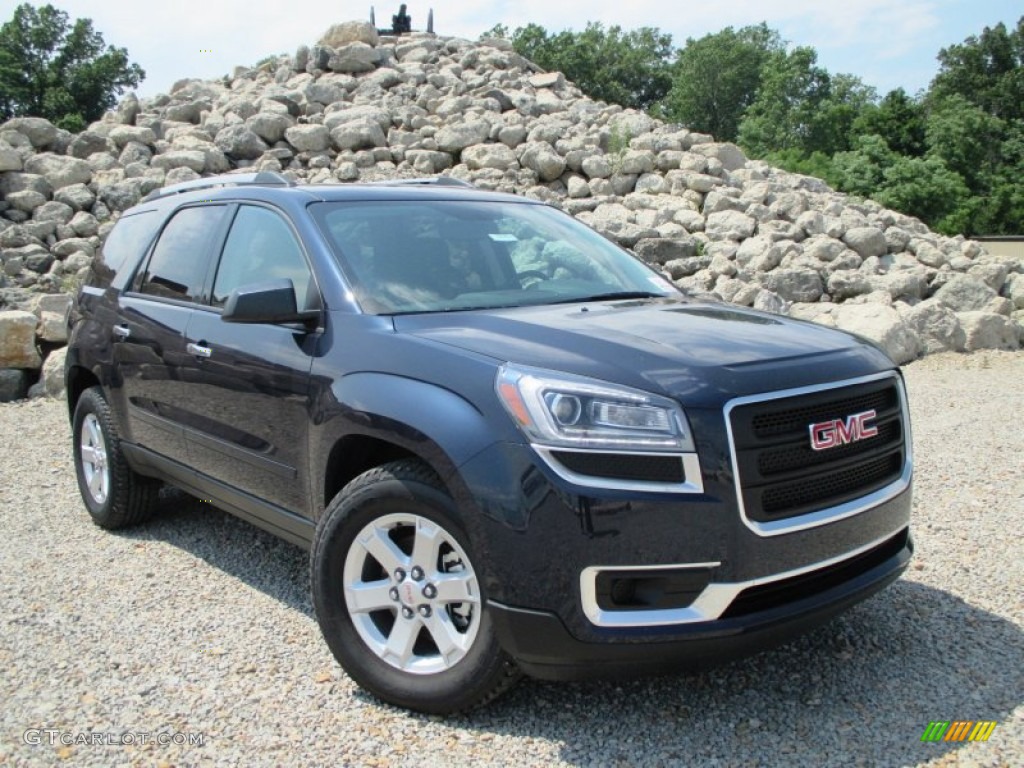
114,494
398,598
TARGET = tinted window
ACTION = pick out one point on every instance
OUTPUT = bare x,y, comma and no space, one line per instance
125,244
260,247
178,266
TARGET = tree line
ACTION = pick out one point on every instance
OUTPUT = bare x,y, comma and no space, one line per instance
952,155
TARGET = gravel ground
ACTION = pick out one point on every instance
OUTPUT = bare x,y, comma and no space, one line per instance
199,624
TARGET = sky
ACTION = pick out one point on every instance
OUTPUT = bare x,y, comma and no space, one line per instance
887,43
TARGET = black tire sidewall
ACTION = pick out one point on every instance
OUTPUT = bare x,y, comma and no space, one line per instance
92,403
451,690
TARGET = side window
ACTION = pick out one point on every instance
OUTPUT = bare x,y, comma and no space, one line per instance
125,245
181,258
260,247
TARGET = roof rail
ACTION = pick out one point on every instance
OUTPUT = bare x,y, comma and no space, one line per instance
440,181
263,178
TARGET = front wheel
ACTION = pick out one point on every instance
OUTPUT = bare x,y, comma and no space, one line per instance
398,598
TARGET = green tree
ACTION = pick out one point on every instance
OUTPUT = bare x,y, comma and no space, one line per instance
987,70
975,124
924,187
628,68
927,188
860,171
1003,210
61,71
899,119
785,113
968,139
717,77
844,99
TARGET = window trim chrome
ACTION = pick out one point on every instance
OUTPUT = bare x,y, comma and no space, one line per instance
841,511
693,483
709,605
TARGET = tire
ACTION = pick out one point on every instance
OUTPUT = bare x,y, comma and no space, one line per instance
387,611
115,495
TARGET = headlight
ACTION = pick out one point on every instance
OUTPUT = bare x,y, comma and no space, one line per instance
559,409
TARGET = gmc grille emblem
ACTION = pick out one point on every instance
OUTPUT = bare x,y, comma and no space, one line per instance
832,434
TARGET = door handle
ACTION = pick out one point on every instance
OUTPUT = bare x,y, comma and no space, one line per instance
197,350
122,331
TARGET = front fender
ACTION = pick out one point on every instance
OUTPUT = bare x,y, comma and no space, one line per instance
435,424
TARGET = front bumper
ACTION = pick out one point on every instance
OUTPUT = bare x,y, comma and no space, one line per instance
545,648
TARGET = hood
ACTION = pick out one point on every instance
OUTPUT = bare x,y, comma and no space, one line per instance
673,347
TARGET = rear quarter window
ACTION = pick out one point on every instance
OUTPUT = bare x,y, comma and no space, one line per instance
125,246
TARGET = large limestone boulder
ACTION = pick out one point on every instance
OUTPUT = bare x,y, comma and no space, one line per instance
881,324
358,134
123,134
240,142
1014,290
347,114
987,330
51,378
489,156
269,126
22,182
353,58
87,143
350,32
308,138
928,254
730,225
10,160
60,170
53,211
181,158
39,131
456,137
866,241
937,327
794,285
78,196
729,155
18,340
963,293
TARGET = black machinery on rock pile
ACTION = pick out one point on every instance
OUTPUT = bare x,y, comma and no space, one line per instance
401,22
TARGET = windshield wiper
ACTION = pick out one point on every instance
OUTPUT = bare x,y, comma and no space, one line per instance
612,296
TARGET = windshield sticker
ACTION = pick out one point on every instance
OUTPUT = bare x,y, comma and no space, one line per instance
499,237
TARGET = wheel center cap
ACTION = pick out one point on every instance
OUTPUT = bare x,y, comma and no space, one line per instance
408,593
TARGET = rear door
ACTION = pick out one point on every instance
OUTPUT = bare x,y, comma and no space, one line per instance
250,383
149,350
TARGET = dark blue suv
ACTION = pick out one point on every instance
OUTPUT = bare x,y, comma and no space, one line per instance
509,445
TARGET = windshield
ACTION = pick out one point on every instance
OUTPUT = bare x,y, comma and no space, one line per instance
437,256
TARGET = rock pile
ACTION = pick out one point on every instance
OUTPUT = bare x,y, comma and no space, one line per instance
358,106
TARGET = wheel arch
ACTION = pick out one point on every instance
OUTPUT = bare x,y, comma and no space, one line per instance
377,418
77,379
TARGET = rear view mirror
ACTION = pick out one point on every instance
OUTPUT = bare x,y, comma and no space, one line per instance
270,302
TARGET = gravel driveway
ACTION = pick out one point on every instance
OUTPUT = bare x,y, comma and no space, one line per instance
199,627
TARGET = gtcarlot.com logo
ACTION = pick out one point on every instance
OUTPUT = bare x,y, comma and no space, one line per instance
958,730
55,737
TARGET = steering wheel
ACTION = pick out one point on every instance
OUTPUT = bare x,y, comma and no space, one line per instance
537,273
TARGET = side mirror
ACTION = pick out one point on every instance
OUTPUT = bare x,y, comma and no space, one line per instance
270,302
